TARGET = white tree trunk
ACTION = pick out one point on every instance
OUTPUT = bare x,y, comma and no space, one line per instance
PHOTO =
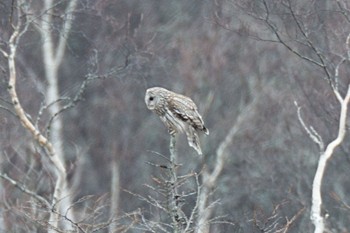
210,178
52,58
316,216
55,162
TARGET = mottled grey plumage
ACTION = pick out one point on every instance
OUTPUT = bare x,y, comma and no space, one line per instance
178,112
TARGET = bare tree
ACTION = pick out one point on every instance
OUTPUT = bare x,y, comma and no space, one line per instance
275,222
256,156
295,27
171,194
58,206
21,24
209,179
317,218
53,56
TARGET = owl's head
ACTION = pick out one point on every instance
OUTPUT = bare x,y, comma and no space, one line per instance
154,97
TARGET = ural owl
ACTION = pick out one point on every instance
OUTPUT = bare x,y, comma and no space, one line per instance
178,112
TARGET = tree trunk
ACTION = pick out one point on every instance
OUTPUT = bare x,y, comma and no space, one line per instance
210,178
115,189
316,216
52,58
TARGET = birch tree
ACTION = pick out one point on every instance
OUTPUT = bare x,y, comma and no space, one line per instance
21,22
326,153
53,22
53,54
210,178
293,26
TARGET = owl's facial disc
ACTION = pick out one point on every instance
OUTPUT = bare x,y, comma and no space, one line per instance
150,101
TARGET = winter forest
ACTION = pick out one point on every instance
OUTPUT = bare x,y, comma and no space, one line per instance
80,151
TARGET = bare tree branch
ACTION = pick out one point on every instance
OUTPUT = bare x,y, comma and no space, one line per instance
21,187
310,131
59,170
282,41
310,43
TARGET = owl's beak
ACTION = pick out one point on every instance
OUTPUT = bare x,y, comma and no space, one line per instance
150,106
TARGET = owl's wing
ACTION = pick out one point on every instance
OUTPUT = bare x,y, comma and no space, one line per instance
186,110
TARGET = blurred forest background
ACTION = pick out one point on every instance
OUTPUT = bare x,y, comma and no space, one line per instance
247,65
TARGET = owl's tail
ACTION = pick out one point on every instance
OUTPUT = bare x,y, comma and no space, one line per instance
193,140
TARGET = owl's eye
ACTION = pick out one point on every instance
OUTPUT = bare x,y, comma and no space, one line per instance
151,98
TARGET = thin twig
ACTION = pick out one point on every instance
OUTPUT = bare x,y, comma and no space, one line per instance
25,190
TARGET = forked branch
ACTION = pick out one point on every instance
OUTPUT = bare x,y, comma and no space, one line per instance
316,217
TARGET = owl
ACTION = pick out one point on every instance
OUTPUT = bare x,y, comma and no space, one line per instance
178,113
